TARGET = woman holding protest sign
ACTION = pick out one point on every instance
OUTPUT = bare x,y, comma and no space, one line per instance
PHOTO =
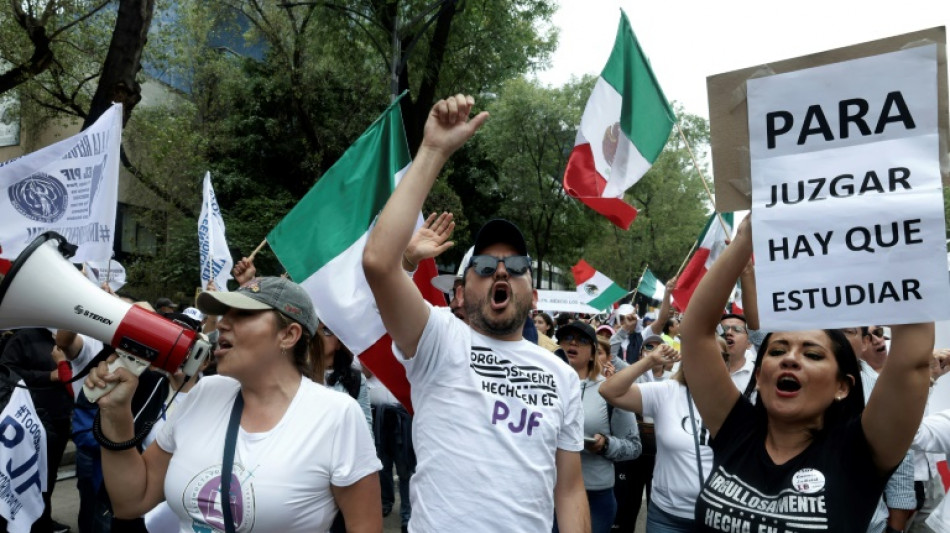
807,454
287,452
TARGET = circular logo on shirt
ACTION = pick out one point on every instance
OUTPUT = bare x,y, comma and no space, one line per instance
39,197
202,498
808,480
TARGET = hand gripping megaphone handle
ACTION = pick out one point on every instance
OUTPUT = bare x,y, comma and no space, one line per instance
196,358
124,360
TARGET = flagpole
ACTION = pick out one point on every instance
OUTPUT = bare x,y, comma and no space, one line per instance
702,177
634,292
258,249
690,253
109,271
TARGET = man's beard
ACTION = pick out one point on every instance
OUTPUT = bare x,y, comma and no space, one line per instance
502,326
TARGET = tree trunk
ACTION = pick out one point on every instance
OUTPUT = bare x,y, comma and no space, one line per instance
123,61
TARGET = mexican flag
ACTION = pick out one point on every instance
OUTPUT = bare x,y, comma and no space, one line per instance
594,288
711,243
624,128
320,243
651,287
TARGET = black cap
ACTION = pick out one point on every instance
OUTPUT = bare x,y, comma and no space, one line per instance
500,230
581,327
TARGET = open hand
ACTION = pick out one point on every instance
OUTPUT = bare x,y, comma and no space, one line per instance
431,239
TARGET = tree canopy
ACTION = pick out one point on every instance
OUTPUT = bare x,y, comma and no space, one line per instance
268,95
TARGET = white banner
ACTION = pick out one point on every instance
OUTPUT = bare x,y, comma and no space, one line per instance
847,203
23,451
216,261
70,187
100,272
567,301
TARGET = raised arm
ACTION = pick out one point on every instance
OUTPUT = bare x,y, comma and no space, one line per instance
897,402
750,305
666,308
620,389
135,481
709,381
400,305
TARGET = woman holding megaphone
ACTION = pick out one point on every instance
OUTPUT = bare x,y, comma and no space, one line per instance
259,447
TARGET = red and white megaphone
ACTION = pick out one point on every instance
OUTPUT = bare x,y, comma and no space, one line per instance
43,289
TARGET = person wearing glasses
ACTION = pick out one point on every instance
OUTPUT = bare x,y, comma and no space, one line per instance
808,455
498,426
735,331
899,501
609,434
875,351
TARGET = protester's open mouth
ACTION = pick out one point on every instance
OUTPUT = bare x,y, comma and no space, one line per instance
788,385
730,341
223,347
499,295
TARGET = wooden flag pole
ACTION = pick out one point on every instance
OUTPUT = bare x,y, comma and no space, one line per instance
637,288
702,177
258,249
690,253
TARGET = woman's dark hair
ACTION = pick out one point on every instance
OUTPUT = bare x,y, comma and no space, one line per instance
549,321
343,371
307,353
838,412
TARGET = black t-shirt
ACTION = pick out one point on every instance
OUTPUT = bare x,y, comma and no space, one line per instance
832,485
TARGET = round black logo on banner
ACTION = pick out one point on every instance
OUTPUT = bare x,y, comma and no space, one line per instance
39,197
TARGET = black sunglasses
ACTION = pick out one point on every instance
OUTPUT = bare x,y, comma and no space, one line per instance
877,332
486,265
581,339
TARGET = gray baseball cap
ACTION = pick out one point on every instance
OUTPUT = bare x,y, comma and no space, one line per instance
261,294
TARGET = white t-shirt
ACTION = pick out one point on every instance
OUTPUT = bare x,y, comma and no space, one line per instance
489,418
90,347
742,376
282,477
675,480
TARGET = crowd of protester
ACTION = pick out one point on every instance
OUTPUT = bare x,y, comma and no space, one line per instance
521,420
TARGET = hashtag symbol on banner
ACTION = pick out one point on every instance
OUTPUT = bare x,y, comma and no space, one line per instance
22,411
103,233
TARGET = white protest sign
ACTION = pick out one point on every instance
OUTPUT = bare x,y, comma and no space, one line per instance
70,187
847,203
111,271
216,262
567,301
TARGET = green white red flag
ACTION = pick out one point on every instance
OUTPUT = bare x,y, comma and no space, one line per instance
624,128
650,286
320,243
711,243
594,288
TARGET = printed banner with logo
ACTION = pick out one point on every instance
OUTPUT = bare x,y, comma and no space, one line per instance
847,202
70,187
216,261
